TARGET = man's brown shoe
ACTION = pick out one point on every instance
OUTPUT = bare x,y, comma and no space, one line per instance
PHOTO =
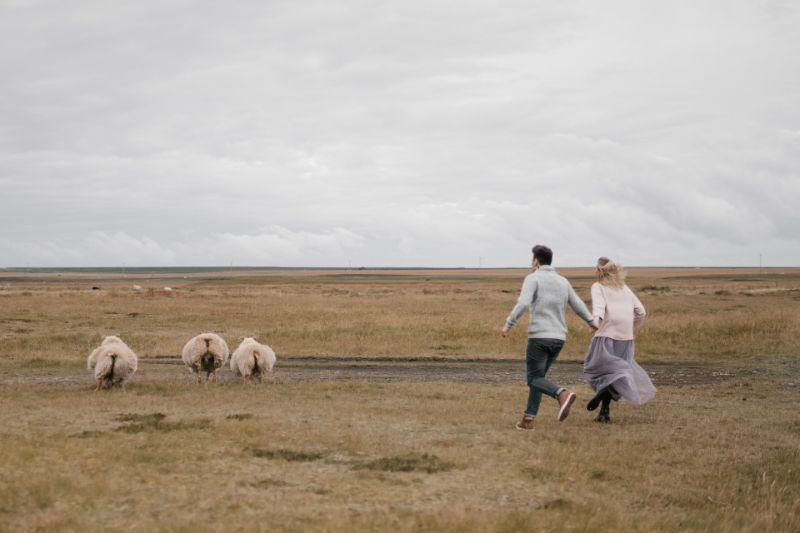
525,424
565,400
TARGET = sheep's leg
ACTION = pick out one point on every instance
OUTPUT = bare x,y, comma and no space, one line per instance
199,377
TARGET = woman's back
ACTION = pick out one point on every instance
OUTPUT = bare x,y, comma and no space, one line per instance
617,310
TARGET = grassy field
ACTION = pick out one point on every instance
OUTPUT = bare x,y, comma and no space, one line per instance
694,314
296,454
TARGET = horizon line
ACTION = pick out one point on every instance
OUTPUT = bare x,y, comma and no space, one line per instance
217,268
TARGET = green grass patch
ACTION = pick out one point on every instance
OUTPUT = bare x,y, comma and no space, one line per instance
287,455
407,463
139,423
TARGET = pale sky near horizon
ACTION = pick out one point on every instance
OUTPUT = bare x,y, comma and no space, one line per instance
414,133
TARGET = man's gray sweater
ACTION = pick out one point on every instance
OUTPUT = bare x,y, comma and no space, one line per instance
546,293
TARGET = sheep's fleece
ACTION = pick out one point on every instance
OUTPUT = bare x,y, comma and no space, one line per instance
251,357
113,362
198,346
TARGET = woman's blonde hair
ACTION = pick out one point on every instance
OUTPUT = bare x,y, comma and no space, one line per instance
610,273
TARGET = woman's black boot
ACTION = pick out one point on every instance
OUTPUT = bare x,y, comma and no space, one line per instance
605,411
601,395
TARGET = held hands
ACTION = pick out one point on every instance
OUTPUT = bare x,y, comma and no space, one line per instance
507,330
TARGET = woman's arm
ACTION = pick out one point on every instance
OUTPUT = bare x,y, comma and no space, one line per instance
598,304
638,311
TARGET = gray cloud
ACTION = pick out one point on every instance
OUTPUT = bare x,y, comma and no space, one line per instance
413,133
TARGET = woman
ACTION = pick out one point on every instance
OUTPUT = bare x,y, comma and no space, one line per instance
609,366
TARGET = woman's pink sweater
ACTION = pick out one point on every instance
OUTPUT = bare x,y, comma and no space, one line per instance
617,311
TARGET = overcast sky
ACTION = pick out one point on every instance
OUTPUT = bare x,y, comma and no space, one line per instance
407,133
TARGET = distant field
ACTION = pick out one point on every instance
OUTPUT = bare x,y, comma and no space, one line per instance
417,439
693,313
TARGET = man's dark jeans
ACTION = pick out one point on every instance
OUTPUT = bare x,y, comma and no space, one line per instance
539,355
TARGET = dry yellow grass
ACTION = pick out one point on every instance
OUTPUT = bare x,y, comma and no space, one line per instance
406,456
320,456
694,314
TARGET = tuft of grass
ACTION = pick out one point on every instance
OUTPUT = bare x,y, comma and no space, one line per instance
427,463
88,434
239,416
597,474
655,288
535,472
558,503
139,423
266,483
141,418
287,455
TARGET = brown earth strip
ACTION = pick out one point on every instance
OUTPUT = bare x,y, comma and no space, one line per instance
378,370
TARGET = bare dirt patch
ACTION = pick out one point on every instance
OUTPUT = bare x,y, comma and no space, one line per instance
380,370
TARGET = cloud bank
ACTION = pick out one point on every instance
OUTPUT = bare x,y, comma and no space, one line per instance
398,133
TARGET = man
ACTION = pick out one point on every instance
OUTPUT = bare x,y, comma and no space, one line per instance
545,293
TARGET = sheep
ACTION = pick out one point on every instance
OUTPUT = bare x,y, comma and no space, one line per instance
113,362
205,353
251,360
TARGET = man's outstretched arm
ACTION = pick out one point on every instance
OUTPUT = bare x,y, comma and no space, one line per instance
523,303
579,307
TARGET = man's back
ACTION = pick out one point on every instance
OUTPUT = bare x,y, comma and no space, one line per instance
545,293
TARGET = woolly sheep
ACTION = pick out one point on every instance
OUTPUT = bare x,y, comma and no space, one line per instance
251,360
205,353
113,362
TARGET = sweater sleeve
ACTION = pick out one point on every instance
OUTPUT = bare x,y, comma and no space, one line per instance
579,307
638,310
598,302
523,302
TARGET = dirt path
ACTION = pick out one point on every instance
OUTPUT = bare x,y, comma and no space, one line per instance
380,370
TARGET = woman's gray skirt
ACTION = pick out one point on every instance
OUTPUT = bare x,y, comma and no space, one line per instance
610,362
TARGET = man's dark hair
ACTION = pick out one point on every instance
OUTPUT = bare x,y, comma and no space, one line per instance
543,254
